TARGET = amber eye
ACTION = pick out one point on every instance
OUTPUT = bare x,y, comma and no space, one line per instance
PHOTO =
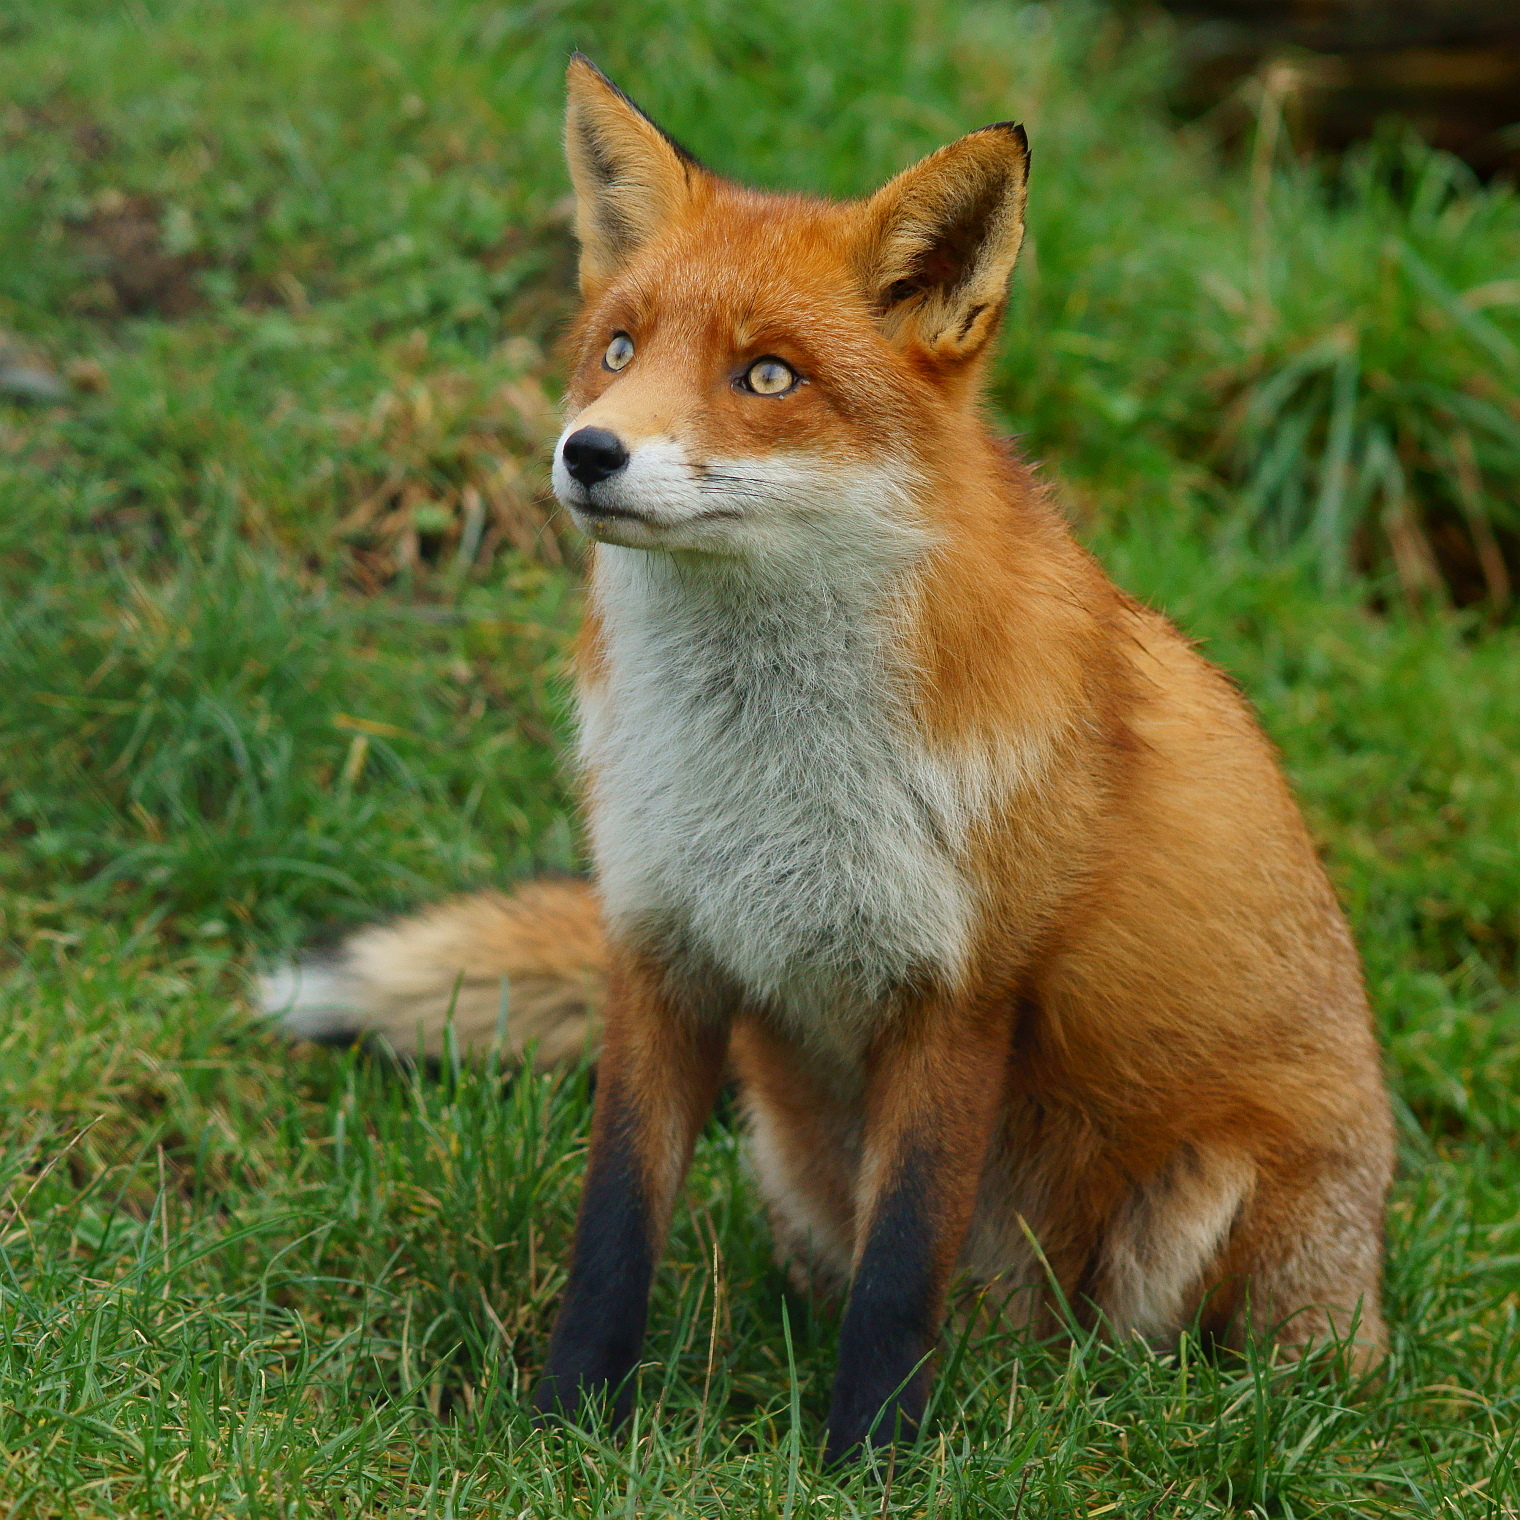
770,376
619,352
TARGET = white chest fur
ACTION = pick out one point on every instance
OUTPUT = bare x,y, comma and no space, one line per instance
759,799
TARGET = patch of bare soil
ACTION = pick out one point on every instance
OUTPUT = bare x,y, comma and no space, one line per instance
120,243
465,475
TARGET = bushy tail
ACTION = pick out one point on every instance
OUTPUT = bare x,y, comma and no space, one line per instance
529,968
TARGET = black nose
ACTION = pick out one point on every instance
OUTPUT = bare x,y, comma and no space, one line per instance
592,454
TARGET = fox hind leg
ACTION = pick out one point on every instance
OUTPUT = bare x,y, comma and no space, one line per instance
1308,1260
1249,1250
1165,1239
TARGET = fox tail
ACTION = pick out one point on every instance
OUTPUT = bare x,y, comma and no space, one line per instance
522,969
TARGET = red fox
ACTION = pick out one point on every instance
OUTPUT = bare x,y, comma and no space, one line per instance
984,884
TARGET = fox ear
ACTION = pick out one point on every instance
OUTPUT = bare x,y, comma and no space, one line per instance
629,177
940,241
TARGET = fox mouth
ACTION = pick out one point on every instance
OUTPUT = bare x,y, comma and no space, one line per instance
612,523
598,517
648,494
589,507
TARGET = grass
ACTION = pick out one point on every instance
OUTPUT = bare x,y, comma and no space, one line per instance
282,623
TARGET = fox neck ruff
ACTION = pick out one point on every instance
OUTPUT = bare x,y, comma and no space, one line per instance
761,805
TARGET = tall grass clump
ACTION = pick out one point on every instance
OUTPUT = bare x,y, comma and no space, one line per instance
1375,411
216,741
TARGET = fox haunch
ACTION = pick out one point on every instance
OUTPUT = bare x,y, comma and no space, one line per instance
984,884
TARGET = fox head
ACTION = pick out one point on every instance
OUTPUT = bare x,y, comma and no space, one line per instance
764,375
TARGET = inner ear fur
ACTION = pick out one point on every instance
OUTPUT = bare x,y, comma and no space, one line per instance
939,242
630,178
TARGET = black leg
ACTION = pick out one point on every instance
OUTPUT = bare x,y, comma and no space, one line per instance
657,1078
932,1100
600,1329
890,1323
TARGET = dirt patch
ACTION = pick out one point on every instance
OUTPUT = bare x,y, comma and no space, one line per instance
120,246
546,255
89,139
1339,67
464,471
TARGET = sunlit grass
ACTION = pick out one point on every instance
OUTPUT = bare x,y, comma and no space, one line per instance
236,1283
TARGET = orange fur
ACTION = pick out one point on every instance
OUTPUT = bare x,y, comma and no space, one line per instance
527,971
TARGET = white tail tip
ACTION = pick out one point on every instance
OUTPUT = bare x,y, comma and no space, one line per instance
313,999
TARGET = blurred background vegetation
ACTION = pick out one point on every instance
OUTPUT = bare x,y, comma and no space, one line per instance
279,286
283,607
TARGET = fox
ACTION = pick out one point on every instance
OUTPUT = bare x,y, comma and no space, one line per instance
985,886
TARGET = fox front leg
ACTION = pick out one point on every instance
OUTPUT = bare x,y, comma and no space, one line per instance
933,1096
657,1079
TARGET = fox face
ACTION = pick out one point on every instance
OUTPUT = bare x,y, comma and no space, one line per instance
718,407
773,377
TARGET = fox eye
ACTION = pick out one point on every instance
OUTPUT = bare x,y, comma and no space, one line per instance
770,376
619,352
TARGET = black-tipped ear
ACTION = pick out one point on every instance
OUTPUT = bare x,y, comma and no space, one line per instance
939,242
629,177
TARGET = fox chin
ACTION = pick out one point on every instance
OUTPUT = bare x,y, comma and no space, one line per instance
982,884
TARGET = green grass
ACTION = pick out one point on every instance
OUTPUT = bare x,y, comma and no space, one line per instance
281,620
